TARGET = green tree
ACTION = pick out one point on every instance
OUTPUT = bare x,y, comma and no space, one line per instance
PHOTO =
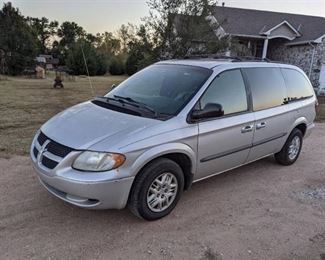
110,47
116,66
44,31
16,40
174,29
141,52
182,27
108,44
126,34
93,39
69,33
83,55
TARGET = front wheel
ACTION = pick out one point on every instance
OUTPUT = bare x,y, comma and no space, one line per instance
291,149
157,189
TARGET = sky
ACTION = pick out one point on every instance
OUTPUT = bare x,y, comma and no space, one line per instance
107,15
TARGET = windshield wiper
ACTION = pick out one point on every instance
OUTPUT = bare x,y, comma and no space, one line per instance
117,99
133,102
129,101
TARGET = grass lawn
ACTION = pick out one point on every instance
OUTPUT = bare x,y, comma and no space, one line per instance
25,104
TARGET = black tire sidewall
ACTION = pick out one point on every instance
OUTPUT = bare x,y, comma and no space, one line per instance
149,175
295,132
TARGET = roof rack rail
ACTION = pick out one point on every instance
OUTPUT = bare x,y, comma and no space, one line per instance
212,56
198,56
252,58
226,57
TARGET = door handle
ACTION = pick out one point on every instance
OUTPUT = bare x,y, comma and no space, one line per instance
246,129
260,125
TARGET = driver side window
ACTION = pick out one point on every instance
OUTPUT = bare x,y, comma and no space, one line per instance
228,90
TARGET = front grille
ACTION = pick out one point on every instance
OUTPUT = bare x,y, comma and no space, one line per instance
41,138
35,151
58,151
48,163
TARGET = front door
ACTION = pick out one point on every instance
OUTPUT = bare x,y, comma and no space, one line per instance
225,142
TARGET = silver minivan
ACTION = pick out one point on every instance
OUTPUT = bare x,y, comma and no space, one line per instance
169,125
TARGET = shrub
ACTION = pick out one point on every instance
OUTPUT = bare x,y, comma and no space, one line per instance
76,63
131,65
116,66
140,56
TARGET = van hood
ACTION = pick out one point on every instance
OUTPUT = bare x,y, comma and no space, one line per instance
86,124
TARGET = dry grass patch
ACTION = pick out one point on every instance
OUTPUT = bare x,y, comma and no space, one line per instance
25,104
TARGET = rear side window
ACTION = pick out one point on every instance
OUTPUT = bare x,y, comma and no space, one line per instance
267,86
298,86
228,90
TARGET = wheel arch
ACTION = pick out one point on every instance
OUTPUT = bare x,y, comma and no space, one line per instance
302,127
301,124
182,154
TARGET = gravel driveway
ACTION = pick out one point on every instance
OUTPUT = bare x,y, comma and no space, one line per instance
259,211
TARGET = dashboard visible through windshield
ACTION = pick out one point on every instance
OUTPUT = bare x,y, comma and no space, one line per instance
163,89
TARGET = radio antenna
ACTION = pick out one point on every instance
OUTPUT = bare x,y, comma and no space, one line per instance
86,66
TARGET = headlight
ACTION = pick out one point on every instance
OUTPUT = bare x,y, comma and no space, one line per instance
98,161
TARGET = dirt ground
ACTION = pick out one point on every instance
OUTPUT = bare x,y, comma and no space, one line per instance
259,211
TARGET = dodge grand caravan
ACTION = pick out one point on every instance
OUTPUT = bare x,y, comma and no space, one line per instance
172,124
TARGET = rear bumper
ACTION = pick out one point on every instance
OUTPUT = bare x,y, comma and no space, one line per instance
111,194
309,129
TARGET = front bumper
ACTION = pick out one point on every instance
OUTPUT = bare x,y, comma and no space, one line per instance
93,195
94,190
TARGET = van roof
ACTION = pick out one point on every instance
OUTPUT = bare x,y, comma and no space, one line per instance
211,63
205,63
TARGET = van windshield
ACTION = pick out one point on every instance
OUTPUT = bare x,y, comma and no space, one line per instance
164,88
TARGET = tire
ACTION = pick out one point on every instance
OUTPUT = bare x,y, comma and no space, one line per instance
288,155
148,181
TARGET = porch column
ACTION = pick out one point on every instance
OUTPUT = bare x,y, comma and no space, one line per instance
266,43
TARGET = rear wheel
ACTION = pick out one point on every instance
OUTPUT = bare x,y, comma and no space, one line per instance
292,148
157,189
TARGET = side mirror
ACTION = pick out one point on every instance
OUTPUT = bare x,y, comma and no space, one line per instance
211,110
113,86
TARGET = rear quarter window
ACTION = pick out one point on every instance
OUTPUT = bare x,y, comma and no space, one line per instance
267,87
297,84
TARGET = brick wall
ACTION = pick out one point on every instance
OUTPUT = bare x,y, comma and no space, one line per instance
300,56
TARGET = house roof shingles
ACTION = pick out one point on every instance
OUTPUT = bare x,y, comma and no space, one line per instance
238,21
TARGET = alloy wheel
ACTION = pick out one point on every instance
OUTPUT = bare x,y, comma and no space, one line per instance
294,148
162,192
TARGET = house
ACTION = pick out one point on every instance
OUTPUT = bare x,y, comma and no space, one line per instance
40,72
47,61
289,38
